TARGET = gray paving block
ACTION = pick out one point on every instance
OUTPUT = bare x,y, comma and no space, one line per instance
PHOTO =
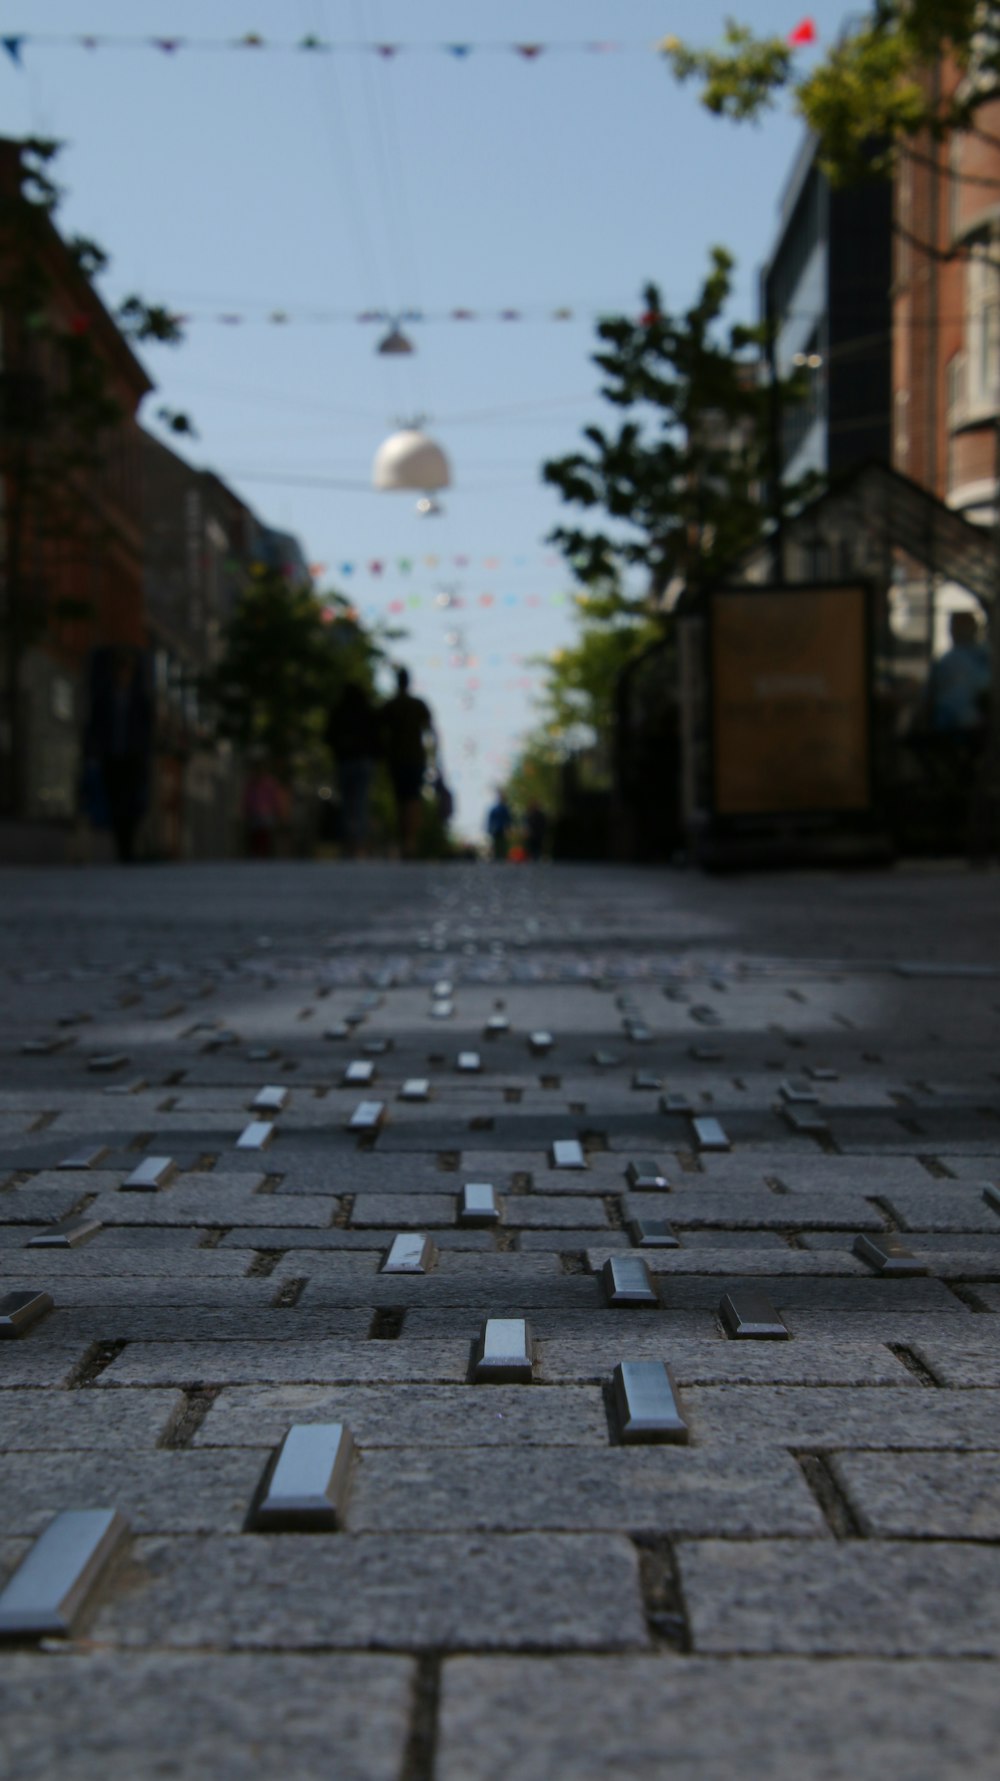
658,1491
157,1492
710,1360
402,1415
356,1171
493,1592
806,1419
94,1262
563,1240
203,1325
210,1717
246,1363
544,1211
32,1362
703,1205
210,1205
746,1259
970,1358
403,1211
785,1718
949,1206
242,1300
86,1421
939,1496
893,1599
336,1239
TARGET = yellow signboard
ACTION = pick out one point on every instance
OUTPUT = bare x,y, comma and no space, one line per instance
790,700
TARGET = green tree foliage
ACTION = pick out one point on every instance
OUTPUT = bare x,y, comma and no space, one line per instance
868,96
581,679
680,478
577,702
283,665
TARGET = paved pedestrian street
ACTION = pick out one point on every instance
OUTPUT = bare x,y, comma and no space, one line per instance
600,1381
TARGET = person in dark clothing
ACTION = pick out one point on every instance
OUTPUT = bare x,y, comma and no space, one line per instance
353,732
406,725
498,825
118,739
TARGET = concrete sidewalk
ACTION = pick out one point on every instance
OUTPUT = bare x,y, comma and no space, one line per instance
808,1583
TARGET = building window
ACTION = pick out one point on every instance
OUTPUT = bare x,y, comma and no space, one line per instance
955,373
983,325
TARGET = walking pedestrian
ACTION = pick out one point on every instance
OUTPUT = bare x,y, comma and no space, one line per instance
498,826
118,741
353,732
407,724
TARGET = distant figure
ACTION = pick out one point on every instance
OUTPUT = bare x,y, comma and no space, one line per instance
265,811
498,826
958,684
118,741
406,724
353,732
536,828
444,798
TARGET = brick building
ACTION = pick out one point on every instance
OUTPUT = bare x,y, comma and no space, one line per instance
71,544
946,325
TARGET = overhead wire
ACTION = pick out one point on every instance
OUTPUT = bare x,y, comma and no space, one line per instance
333,118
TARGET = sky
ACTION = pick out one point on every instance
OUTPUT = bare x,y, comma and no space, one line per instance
242,181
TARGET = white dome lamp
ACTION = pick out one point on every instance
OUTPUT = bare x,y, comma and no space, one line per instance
409,460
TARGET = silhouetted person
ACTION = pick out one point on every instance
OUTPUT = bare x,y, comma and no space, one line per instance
118,739
353,732
265,811
958,684
406,724
498,825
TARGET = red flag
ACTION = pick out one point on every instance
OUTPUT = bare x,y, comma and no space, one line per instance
804,33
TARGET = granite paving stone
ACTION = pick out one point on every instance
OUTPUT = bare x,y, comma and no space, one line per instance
806,1588
450,1591
158,1492
86,1421
404,1415
941,1496
842,1599
786,1718
208,1717
658,1490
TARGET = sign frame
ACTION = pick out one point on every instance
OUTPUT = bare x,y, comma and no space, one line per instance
789,815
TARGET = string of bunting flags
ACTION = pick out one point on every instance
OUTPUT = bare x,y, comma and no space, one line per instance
398,607
15,43
234,318
379,566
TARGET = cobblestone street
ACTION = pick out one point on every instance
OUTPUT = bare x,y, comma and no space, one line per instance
747,1131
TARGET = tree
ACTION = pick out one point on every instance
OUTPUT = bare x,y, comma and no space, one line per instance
577,701
870,97
681,478
286,655
66,366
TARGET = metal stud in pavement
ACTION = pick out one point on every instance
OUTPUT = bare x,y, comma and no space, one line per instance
503,1352
647,1403
307,1486
51,1585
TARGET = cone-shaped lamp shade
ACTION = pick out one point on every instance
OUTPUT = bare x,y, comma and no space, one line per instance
409,460
395,342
